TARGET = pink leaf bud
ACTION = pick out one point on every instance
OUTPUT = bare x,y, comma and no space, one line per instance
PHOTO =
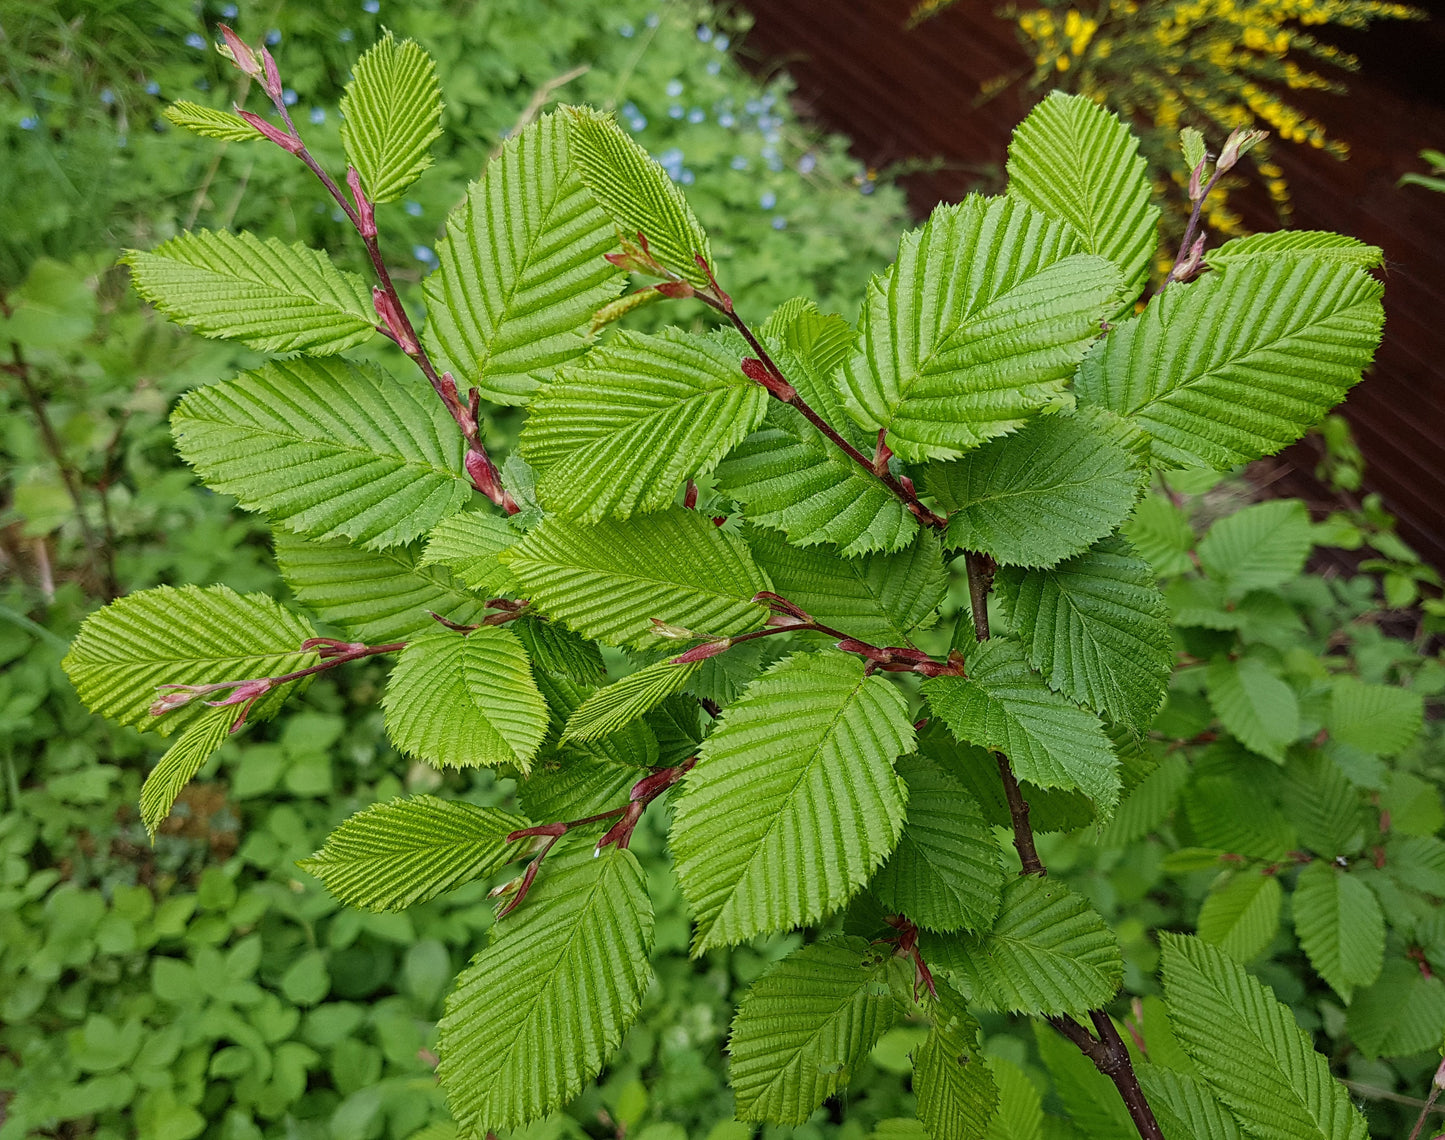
285,140
677,290
270,75
388,308
755,370
1240,141
235,49
245,692
483,474
365,209
704,651
689,498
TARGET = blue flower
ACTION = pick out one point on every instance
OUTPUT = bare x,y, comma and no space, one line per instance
652,19
345,35
674,88
289,97
637,122
675,111
29,123
780,223
704,33
423,253
153,88
318,115
627,31
121,140
721,43
273,37
768,200
229,11
713,67
726,119
412,208
197,41
696,115
868,188
372,6
807,163
739,162
686,177
107,96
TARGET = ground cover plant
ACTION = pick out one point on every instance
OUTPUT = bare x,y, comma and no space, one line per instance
739,510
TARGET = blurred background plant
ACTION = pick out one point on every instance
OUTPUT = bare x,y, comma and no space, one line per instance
1436,161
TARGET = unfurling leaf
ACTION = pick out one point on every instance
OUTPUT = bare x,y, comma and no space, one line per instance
210,122
390,114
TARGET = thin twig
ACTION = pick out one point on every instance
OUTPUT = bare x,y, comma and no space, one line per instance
540,98
1111,1057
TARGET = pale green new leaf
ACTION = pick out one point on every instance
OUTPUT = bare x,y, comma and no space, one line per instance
467,544
1380,719
520,271
405,851
382,595
1241,915
881,598
624,701
390,114
181,762
803,1027
1401,1014
978,324
957,1096
328,448
1254,704
1249,1049
1239,363
636,192
1050,490
1048,952
1340,927
1191,144
1161,534
537,1014
620,432
1261,546
946,873
465,700
1317,244
210,122
184,635
794,802
1003,705
273,297
1097,627
1075,160
1184,1106
608,581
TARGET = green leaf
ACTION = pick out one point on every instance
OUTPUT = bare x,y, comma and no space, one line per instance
1340,926
1098,628
1254,704
465,700
610,580
395,854
537,1014
1401,1014
1239,363
1003,705
624,701
182,760
946,873
383,595
211,122
976,769
1161,534
390,114
558,650
183,636
1020,1107
1236,813
1184,1107
636,192
520,271
1327,810
1191,143
620,433
468,544
632,744
805,1025
1259,547
1051,490
1149,804
881,598
1075,160
273,297
957,1096
794,802
979,323
1380,719
328,448
1241,915
1315,244
1249,1049
1048,952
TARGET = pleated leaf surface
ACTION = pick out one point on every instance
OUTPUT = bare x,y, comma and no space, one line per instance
390,115
957,1095
1340,927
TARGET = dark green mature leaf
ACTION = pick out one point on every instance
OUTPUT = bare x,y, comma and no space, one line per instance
1340,926
1258,547
520,271
467,544
1241,915
1184,1106
794,801
327,448
539,1011
1239,363
1381,719
1315,244
957,1096
1048,952
803,1027
1097,627
620,433
1050,490
1254,704
1327,810
978,324
636,192
1401,1014
211,122
465,700
182,760
1249,1049
390,114
1020,1106
1075,160
624,701
273,297
976,769
395,854
946,873
1003,705
184,636
610,580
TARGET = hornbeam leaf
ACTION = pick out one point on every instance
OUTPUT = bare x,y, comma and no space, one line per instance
1097,627
537,1014
1003,705
624,701
610,580
620,433
1020,1107
1048,953
1254,704
467,544
636,192
1249,1049
977,325
1239,363
395,854
1340,927
1261,546
390,115
1049,491
273,297
1316,244
181,762
520,271
1382,719
1241,915
803,1027
184,636
1184,1106
1401,1014
327,448
957,1096
794,801
1077,161
211,122
465,700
